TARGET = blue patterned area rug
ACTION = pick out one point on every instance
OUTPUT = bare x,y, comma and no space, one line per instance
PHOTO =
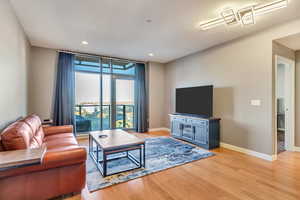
161,153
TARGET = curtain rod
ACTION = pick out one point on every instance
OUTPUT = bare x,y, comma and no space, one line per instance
99,56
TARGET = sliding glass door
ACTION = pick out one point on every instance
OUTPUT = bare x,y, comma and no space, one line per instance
105,94
124,90
87,107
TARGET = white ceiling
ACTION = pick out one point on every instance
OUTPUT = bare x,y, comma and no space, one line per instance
119,28
292,41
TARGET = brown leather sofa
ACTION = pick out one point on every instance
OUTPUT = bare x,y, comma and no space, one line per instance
62,170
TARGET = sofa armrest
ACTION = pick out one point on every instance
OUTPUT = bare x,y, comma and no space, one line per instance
52,130
64,156
20,158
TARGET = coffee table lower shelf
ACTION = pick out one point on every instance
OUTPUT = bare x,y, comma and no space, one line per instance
102,163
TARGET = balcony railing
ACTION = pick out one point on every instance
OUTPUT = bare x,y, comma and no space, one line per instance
88,117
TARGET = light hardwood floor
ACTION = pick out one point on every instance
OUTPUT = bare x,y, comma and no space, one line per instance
227,176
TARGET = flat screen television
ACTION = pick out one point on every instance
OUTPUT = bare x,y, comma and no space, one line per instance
195,101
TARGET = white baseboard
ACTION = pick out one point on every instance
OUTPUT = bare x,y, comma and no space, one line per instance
249,152
296,148
158,129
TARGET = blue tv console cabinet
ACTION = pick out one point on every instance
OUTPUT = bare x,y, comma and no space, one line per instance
204,132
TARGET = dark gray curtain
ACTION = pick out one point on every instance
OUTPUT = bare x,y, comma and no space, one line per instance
141,100
63,112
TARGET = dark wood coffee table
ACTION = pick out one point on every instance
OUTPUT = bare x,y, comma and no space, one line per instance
110,142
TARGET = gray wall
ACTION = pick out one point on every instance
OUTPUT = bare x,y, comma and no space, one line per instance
240,70
279,49
41,81
14,61
297,101
156,95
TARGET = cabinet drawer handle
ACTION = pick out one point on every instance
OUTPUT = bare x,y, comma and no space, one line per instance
181,126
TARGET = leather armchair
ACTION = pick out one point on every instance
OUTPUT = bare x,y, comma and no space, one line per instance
62,170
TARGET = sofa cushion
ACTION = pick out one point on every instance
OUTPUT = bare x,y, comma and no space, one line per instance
38,134
60,136
54,130
60,142
16,136
1,145
33,121
37,139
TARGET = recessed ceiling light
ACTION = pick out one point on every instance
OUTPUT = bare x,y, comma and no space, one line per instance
84,43
151,54
148,20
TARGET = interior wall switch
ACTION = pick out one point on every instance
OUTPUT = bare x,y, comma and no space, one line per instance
255,102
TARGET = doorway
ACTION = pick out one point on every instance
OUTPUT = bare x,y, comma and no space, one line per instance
104,94
285,104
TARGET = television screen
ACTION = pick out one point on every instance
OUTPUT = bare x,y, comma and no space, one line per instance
195,100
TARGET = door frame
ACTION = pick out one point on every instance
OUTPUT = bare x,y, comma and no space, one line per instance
115,77
289,100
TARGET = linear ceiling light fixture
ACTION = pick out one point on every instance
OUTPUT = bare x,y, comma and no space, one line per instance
229,16
244,16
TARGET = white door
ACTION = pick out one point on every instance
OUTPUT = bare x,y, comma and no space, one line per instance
289,100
